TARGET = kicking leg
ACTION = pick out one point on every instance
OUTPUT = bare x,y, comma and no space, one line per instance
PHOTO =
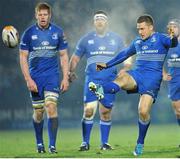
123,81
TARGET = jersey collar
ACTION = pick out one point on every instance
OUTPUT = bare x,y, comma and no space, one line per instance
48,28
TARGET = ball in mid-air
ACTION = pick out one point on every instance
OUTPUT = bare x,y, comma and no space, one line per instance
10,36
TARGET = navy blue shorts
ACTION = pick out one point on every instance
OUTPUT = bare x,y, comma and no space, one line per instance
45,83
148,82
174,90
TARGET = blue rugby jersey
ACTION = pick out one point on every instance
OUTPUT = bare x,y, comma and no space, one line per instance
151,52
43,46
173,62
99,49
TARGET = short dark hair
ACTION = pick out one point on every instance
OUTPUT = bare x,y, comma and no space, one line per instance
101,12
146,18
41,6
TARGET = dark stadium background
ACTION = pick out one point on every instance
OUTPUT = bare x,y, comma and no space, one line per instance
75,17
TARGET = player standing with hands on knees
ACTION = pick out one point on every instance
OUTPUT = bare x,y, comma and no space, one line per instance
100,45
41,46
151,49
173,65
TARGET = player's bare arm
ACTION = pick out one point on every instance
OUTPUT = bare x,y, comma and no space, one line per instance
65,69
72,67
25,70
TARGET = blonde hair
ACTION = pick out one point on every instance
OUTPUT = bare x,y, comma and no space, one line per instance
41,6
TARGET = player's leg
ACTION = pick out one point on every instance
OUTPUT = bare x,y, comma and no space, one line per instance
51,95
123,81
105,126
38,122
144,108
87,123
51,99
176,107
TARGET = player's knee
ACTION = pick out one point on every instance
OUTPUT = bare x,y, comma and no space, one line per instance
51,110
125,81
88,113
105,114
38,115
90,110
51,99
143,114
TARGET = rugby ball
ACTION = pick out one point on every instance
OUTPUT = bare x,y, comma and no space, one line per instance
10,36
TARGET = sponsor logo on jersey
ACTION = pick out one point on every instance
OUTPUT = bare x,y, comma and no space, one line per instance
90,42
34,37
102,48
174,56
45,43
138,41
147,51
112,42
55,36
145,47
153,39
102,52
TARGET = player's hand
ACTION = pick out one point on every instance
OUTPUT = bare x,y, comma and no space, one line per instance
72,76
167,77
32,85
64,85
171,32
100,66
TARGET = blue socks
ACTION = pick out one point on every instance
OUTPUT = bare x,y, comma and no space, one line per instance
105,127
111,88
38,127
52,130
86,130
143,127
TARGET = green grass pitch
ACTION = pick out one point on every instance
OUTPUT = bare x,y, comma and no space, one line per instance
161,142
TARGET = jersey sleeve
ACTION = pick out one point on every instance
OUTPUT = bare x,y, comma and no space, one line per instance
63,44
166,40
25,41
80,48
123,55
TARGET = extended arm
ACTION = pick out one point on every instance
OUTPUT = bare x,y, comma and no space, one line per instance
123,55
